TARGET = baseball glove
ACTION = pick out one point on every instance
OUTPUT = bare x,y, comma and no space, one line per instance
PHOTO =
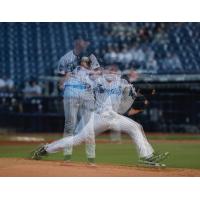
140,103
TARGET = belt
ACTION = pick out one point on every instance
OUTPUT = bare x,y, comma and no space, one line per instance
81,87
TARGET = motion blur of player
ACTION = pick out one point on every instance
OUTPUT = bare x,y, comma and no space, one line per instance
74,105
113,96
79,103
115,135
70,60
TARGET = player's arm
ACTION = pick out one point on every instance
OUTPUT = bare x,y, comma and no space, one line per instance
128,95
62,72
139,105
128,89
94,62
141,102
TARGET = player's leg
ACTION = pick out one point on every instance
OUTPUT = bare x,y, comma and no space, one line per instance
69,141
145,150
86,113
99,127
156,157
115,135
90,146
131,127
71,106
134,129
100,124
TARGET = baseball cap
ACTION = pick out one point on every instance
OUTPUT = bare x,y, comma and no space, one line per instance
82,36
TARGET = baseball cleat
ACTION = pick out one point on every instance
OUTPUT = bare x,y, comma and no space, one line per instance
158,157
145,163
154,160
67,158
91,162
38,153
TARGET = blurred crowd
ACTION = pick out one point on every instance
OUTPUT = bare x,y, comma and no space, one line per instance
19,99
6,84
159,48
30,89
131,45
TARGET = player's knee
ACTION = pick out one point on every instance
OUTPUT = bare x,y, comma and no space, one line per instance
137,125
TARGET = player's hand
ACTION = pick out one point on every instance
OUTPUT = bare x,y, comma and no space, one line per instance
134,112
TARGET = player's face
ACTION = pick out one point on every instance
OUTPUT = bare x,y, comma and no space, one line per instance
96,73
83,44
110,75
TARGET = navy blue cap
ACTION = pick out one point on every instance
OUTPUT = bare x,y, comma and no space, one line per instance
82,36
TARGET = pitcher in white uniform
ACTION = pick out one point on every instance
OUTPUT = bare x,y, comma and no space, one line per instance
78,105
111,92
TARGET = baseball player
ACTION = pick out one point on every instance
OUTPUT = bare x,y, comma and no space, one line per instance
69,61
66,68
79,102
113,95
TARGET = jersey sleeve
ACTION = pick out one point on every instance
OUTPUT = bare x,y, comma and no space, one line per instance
61,69
126,86
94,62
67,63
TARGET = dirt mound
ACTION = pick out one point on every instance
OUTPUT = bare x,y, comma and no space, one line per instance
24,168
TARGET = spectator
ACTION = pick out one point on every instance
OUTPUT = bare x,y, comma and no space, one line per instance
172,63
2,84
110,56
120,57
151,65
138,54
32,89
149,53
176,63
127,55
9,84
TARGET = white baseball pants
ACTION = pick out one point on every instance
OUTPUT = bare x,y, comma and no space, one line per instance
101,122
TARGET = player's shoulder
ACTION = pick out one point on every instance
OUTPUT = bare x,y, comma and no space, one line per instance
125,84
124,81
67,55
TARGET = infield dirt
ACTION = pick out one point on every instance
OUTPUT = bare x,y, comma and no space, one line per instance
15,167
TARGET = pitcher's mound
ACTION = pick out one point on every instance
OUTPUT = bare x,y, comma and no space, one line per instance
24,167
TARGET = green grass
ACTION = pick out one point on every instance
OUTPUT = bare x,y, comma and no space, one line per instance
174,137
183,155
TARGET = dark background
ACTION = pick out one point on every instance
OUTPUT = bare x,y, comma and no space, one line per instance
167,53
